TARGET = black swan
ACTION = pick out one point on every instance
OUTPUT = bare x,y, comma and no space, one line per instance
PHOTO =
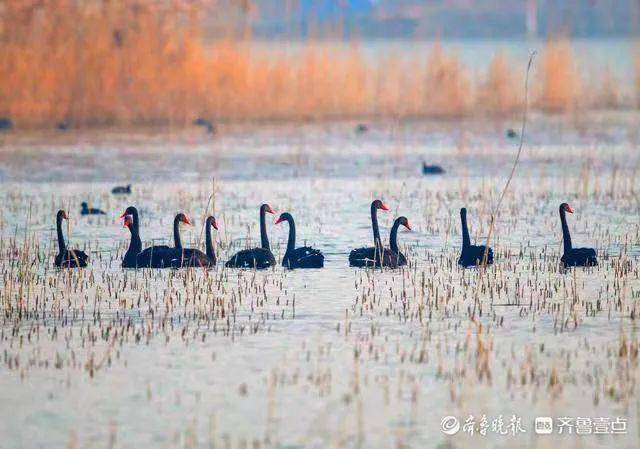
191,257
377,255
574,257
67,258
303,257
86,210
472,255
121,190
393,239
255,257
158,256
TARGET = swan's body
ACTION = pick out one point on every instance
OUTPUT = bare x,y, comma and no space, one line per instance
472,255
258,258
574,257
67,258
377,255
303,257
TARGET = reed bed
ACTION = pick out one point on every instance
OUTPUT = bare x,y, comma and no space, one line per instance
118,63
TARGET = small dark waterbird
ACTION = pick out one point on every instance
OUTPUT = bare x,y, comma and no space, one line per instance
6,124
63,125
302,257
157,256
68,258
431,169
361,128
86,210
401,259
192,257
574,257
472,255
258,258
121,190
377,255
206,124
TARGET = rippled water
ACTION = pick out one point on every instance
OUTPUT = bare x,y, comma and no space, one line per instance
321,358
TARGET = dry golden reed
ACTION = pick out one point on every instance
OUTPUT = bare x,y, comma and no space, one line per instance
123,63
559,80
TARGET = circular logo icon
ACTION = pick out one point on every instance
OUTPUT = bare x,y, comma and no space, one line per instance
450,425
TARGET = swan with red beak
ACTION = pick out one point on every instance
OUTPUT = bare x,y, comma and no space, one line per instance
376,255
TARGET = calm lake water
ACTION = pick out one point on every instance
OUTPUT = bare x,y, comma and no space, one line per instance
336,357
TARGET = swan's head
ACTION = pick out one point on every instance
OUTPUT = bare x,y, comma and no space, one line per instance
284,216
378,204
84,205
182,218
565,207
463,212
62,214
404,221
128,221
266,208
211,221
129,216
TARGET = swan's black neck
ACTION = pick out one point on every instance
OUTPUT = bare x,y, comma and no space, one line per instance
566,237
291,243
263,229
466,241
61,245
211,254
177,242
393,238
135,246
377,242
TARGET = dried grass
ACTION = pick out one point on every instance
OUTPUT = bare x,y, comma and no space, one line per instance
122,63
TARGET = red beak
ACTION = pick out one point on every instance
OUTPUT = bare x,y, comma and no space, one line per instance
569,209
280,220
215,224
270,209
185,220
383,206
407,226
128,221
